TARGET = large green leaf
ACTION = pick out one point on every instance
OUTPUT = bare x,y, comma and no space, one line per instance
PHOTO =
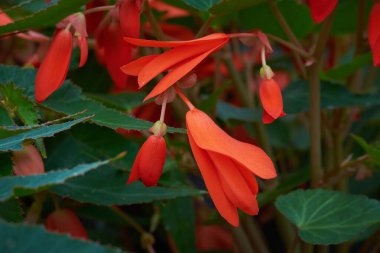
46,17
10,210
25,185
108,187
179,220
328,217
22,238
69,100
231,6
15,142
345,70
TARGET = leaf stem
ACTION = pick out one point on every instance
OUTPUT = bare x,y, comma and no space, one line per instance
204,28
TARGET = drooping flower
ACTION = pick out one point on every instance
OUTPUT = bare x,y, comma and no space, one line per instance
66,221
150,160
228,166
321,9
271,99
374,33
28,161
54,67
179,61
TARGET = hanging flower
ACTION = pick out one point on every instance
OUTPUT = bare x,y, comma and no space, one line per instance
129,15
228,166
28,161
53,69
150,160
321,9
180,60
65,221
374,33
271,99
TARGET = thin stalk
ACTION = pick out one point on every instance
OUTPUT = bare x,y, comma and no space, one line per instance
99,9
34,212
128,219
291,46
163,108
315,106
255,235
153,22
204,28
242,240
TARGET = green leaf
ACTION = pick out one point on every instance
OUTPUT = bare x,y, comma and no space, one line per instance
231,6
202,5
179,220
343,71
46,17
328,217
121,101
68,99
372,151
26,185
5,119
10,210
261,17
25,239
108,187
16,102
15,142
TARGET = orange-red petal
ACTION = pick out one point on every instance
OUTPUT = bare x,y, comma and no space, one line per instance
67,222
54,67
83,47
321,9
376,54
226,209
129,16
134,67
271,98
207,135
156,43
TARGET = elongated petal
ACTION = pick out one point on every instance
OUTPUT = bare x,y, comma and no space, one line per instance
214,187
83,47
373,25
376,54
54,67
177,73
133,68
271,98
207,135
170,58
156,43
234,182
117,52
249,178
321,9
152,160
129,15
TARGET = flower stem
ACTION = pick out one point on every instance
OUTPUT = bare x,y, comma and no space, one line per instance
163,108
206,25
184,98
99,9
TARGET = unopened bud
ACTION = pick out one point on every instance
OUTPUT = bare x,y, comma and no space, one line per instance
159,128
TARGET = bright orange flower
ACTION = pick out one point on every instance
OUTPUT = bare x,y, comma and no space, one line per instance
321,9
179,61
228,166
53,69
150,160
65,221
374,33
28,161
271,99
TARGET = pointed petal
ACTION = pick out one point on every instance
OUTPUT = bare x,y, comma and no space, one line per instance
117,52
83,47
234,182
133,68
321,9
54,67
170,58
271,98
155,43
373,25
250,179
207,135
152,160
214,187
129,16
178,72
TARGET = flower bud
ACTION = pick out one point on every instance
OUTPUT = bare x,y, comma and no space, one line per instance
28,161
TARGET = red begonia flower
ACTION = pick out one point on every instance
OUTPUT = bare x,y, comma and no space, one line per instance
129,16
271,99
321,9
93,19
227,165
53,69
374,33
149,161
28,161
66,221
178,61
